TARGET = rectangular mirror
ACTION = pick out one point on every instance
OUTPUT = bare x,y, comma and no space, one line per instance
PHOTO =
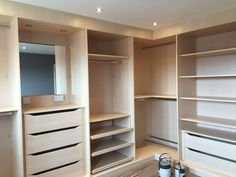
43,69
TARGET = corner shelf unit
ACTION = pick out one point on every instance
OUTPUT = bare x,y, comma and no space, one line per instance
206,92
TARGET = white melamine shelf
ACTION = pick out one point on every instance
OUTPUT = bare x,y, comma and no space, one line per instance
105,146
208,76
212,133
210,99
107,116
101,132
7,109
227,123
109,160
103,57
226,51
167,97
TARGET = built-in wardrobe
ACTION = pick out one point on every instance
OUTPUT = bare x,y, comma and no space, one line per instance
120,101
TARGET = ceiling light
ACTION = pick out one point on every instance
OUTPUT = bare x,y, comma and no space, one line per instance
154,24
99,10
23,48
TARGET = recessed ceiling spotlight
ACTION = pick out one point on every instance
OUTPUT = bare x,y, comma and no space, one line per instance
23,48
154,23
99,10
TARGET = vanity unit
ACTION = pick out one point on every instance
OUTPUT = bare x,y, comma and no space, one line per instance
118,101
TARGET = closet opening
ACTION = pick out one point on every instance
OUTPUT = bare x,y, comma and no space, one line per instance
155,97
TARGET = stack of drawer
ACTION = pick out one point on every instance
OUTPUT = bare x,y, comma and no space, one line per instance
216,154
53,143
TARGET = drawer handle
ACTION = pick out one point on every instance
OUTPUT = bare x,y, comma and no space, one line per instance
56,168
52,131
56,149
53,112
212,155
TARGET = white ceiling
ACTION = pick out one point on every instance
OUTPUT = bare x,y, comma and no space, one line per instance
36,48
139,13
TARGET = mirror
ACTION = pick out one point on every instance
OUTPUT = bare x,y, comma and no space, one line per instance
43,69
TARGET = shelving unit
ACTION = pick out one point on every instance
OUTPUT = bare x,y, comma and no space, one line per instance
206,93
155,96
11,146
111,111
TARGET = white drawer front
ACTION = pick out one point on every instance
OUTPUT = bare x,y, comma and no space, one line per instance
47,161
211,146
53,121
74,170
217,164
43,142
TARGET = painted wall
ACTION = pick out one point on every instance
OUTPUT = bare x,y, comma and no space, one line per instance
37,74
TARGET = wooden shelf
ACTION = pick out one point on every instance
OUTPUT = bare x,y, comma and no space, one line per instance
227,51
101,132
109,160
208,76
107,116
105,146
166,97
227,123
7,110
103,57
210,99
